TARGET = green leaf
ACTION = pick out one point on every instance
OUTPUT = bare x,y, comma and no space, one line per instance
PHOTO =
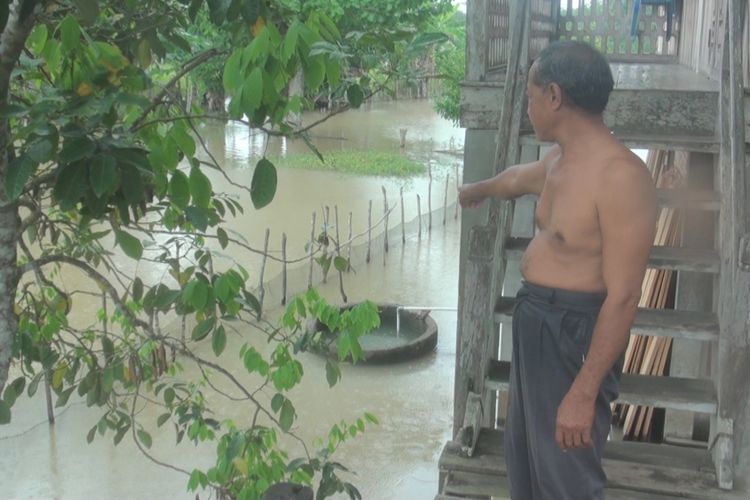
169,395
198,217
4,412
41,150
232,77
144,437
252,301
287,415
91,434
340,263
162,419
18,172
76,148
200,188
252,92
102,174
423,40
37,38
70,33
315,73
333,374
179,189
223,237
70,185
195,294
277,401
130,245
289,45
62,399
88,10
263,185
132,183
137,290
219,341
354,95
34,385
371,418
183,140
203,328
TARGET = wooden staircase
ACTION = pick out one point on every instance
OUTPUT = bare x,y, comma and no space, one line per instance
473,465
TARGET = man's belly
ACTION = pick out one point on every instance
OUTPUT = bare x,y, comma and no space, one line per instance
556,265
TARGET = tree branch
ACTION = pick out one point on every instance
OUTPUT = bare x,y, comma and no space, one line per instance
186,68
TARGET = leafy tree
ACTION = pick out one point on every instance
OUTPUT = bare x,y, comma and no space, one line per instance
98,148
450,61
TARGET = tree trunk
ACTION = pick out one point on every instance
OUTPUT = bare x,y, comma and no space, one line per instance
296,87
12,40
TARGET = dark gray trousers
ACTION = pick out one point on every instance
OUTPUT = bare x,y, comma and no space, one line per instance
551,336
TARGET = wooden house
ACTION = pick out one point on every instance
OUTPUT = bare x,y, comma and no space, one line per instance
682,70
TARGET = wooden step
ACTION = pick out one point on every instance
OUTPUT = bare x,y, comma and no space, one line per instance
657,322
698,144
635,471
677,393
678,259
689,199
695,144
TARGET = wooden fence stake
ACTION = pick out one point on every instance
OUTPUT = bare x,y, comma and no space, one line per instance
445,199
369,231
385,231
429,199
326,215
349,250
312,251
403,225
283,271
338,253
263,271
419,215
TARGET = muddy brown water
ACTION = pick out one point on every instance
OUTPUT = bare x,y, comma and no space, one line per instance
413,400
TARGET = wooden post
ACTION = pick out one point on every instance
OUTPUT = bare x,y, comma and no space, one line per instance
349,250
458,186
403,224
369,231
385,220
263,271
429,198
445,200
732,362
283,270
338,253
385,226
326,218
402,132
419,216
476,40
477,322
312,251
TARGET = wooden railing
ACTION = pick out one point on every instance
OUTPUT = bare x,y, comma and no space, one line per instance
606,25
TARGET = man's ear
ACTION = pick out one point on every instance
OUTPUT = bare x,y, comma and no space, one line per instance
555,95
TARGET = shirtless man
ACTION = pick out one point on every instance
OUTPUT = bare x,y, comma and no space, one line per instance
582,273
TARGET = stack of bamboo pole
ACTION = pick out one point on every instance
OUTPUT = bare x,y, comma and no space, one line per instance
650,355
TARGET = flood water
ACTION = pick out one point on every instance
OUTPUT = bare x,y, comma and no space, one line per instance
413,400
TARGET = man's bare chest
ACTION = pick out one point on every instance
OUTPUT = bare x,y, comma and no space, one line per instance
567,209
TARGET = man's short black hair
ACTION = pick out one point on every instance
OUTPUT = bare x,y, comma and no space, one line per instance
580,70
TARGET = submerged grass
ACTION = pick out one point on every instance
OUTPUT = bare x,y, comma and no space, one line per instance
379,163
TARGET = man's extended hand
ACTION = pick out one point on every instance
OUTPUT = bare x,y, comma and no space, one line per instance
470,196
575,417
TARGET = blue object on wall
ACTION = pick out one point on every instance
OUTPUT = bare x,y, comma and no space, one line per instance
669,4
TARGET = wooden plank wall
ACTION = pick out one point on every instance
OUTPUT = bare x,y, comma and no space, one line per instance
701,46
543,28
